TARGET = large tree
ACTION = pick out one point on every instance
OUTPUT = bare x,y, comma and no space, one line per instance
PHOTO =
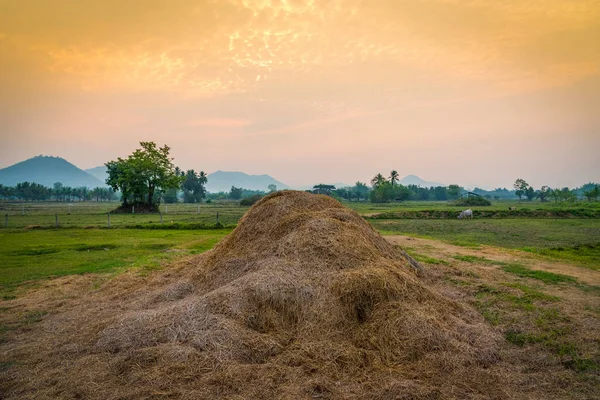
592,194
377,180
394,177
544,193
322,188
143,176
236,193
361,190
193,186
454,191
520,187
530,193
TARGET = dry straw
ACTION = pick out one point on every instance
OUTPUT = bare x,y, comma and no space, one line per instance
302,300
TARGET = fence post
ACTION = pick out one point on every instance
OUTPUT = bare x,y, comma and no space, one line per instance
69,209
166,209
161,218
133,209
56,220
217,217
6,220
22,209
198,211
108,223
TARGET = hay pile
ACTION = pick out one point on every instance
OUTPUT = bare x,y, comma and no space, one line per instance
303,299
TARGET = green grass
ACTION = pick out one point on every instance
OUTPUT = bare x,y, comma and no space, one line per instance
426,259
39,254
587,254
539,322
523,298
548,278
497,205
530,293
572,240
92,214
475,259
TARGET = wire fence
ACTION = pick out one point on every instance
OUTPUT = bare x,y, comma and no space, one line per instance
92,214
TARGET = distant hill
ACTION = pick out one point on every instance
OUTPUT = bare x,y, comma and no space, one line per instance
46,171
222,181
98,172
415,180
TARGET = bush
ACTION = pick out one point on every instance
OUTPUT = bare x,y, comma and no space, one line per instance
472,201
248,201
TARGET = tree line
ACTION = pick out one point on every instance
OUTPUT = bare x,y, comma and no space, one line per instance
148,176
30,191
386,189
590,191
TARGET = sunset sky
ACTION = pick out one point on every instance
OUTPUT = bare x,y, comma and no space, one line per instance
475,92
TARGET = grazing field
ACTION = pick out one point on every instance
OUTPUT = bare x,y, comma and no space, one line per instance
367,208
31,255
576,240
95,214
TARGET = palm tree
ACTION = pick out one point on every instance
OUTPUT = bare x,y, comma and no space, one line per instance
393,177
377,180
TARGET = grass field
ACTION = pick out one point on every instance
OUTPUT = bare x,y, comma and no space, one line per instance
93,214
576,240
30,255
33,254
373,208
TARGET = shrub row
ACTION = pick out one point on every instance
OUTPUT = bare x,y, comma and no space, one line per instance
438,214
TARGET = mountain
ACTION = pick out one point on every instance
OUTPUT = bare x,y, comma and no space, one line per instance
415,180
222,181
98,172
46,171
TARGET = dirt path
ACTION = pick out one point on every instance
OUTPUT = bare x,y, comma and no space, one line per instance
445,251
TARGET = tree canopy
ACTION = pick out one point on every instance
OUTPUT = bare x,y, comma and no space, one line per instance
143,176
193,186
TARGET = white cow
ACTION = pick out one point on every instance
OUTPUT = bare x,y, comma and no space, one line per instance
466,213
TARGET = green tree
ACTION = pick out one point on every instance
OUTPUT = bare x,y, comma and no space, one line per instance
57,189
454,191
393,177
361,190
170,196
555,194
402,193
530,193
143,176
520,187
322,188
272,188
193,186
592,194
544,193
567,194
440,193
235,193
377,180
